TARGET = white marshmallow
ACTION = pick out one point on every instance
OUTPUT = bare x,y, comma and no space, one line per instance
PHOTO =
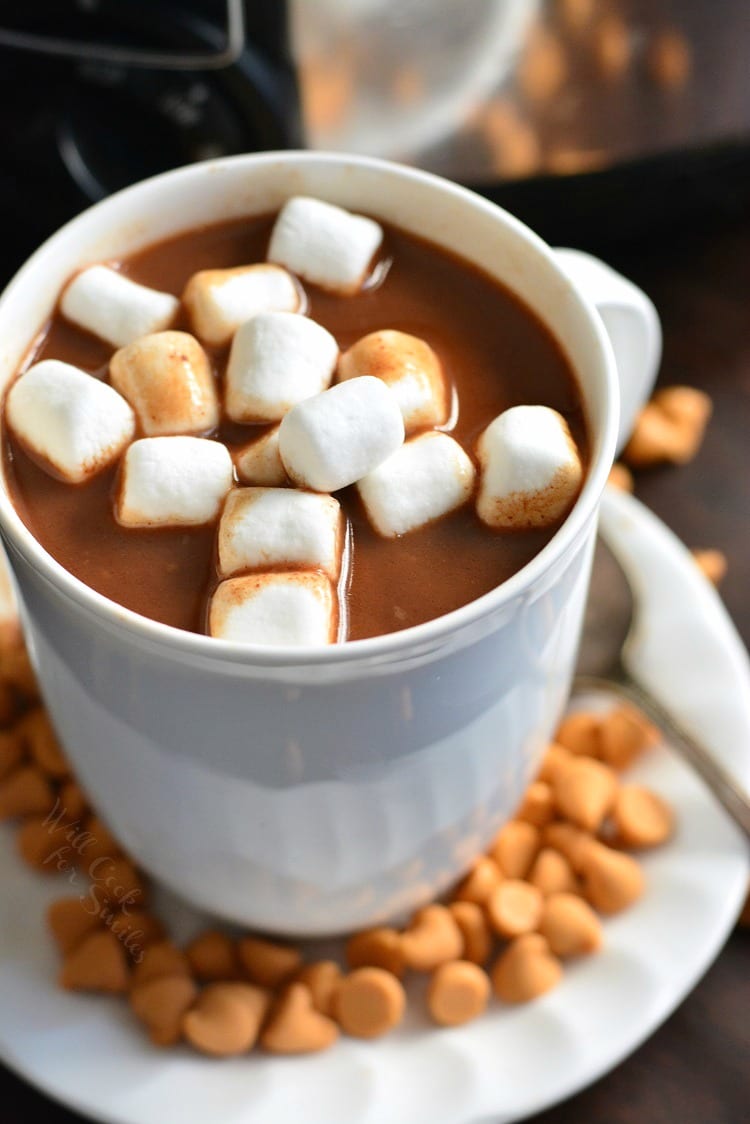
298,609
219,300
324,244
426,478
262,528
410,368
167,379
115,308
530,468
71,421
259,463
336,438
277,359
173,482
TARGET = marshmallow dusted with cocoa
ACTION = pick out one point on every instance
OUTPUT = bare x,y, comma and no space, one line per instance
324,244
337,437
113,307
530,468
167,378
277,360
262,528
298,609
411,369
173,482
426,478
69,420
219,300
259,462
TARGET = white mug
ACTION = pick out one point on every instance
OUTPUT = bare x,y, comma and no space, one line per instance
318,791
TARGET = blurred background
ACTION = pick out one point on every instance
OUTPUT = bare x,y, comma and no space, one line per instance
594,120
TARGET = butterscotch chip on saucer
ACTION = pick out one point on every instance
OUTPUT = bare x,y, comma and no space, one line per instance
570,841
377,948
525,970
611,881
322,980
433,937
580,733
641,818
515,847
98,963
458,993
25,792
475,930
226,1019
41,740
514,908
267,963
625,735
538,805
584,792
160,1004
162,959
554,759
552,873
295,1027
369,1003
570,926
213,956
479,883
12,752
621,478
70,922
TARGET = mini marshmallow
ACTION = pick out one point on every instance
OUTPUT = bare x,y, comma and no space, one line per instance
262,528
409,366
259,463
167,379
530,468
324,244
113,307
277,360
336,438
75,424
426,478
219,300
297,609
173,482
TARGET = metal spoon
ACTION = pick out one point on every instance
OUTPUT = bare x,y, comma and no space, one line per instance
611,618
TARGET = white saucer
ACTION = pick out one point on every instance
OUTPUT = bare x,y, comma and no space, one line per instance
87,1053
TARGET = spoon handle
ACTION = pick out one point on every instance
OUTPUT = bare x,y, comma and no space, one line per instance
724,787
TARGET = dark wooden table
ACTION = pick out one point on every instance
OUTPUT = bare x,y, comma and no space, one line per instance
696,1068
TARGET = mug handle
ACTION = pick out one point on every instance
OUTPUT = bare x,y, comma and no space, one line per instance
631,322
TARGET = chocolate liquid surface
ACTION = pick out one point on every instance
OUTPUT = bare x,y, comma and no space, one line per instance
494,351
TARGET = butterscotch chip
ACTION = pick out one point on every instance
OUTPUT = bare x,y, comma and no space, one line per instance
475,930
625,735
458,992
641,818
376,948
512,141
8,705
213,956
101,842
322,980
267,963
584,792
98,963
295,1027
369,1002
38,844
576,14
117,880
161,959
611,881
621,478
612,46
712,564
552,873
525,970
16,669
685,405
161,1005
12,752
515,847
433,937
226,1018
73,801
555,758
670,427
570,926
479,883
25,792
136,930
669,59
543,67
41,741
538,805
70,922
514,908
570,841
580,733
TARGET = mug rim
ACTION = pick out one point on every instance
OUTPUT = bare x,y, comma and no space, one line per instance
432,632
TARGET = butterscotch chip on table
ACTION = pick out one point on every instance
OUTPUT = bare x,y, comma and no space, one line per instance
12,752
669,59
479,883
515,847
369,1002
268,963
136,929
570,926
580,733
226,1018
543,68
669,428
612,46
322,980
41,740
555,757
213,956
70,922
73,801
712,564
584,792
101,843
38,844
98,963
538,805
525,970
621,478
162,959
117,878
25,792
641,818
16,669
295,1027
514,908
570,841
625,735
552,873
161,1004
611,881
458,992
433,937
475,930
376,948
